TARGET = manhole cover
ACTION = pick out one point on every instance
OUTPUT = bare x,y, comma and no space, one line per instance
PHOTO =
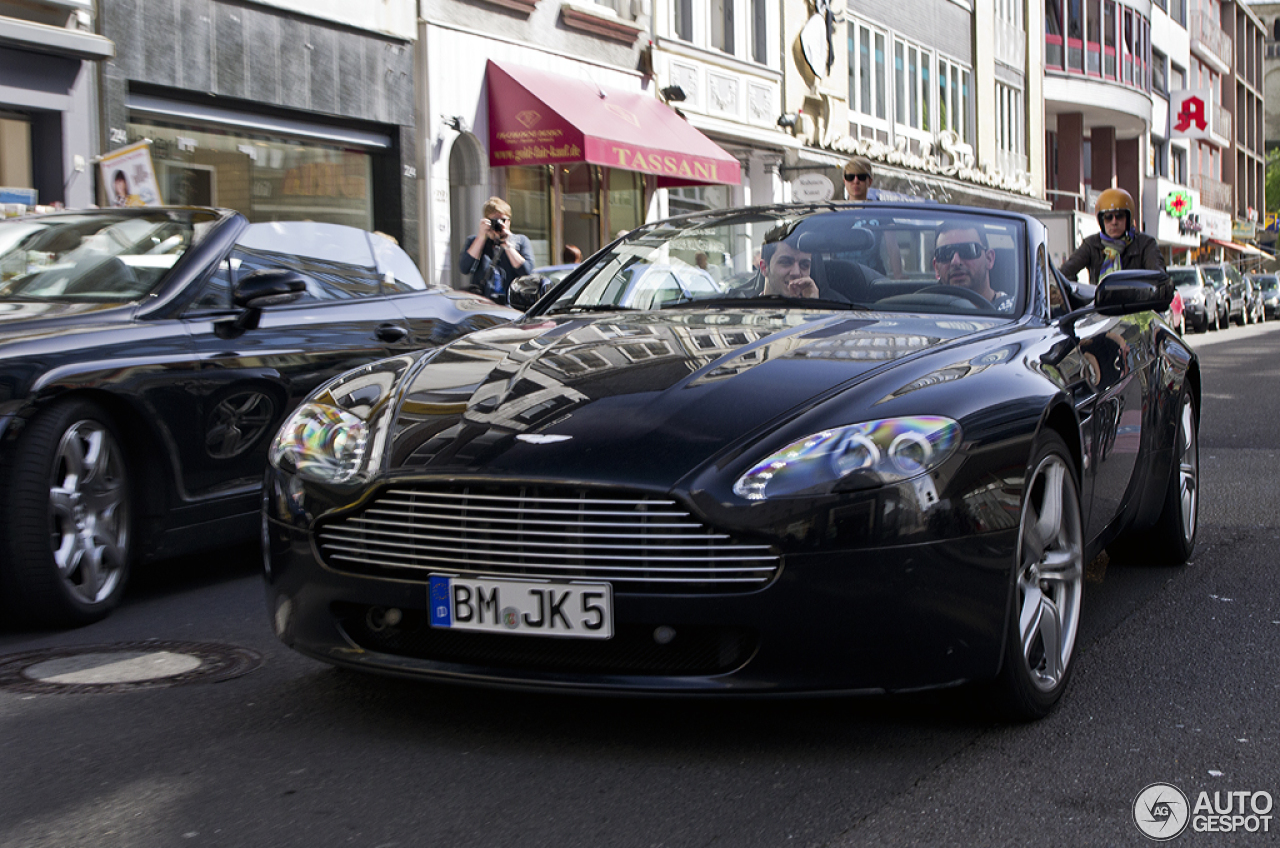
124,666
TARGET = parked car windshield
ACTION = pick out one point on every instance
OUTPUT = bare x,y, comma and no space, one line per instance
897,258
96,256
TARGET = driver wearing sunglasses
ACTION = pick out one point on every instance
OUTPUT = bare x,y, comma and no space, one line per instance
961,257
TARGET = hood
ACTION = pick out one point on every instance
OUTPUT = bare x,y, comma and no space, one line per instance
22,319
644,398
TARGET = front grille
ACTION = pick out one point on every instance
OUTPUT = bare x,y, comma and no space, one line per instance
632,650
635,543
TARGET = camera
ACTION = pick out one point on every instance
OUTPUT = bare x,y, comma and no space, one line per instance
496,224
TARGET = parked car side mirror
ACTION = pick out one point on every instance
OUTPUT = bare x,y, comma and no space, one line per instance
267,287
526,290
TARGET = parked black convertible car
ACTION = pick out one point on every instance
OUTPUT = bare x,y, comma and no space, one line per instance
146,358
892,487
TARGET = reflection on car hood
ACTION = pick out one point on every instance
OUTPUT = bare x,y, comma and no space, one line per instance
28,319
638,397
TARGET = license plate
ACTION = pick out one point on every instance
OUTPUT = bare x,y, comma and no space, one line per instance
522,607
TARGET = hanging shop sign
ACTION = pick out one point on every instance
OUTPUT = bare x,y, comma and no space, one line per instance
128,176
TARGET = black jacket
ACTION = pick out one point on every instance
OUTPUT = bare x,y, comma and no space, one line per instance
1143,253
476,269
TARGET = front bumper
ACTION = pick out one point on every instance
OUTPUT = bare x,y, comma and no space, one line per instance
874,620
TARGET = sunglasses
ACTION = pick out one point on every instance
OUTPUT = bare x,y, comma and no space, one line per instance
1114,216
860,177
966,250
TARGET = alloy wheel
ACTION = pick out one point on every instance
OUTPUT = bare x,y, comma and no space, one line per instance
1050,573
1188,468
88,512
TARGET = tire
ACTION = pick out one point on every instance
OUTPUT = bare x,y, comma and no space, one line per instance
1048,584
67,518
1172,539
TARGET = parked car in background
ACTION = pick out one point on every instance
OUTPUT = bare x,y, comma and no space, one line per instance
1218,275
148,355
649,484
1240,293
1199,297
1269,293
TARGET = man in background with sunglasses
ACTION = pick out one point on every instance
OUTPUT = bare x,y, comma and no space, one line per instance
886,256
1120,245
857,180
961,257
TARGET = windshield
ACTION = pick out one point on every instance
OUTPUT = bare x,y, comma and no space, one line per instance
910,258
100,256
1184,277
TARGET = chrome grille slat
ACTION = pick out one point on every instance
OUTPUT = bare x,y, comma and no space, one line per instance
586,570
671,541
635,543
500,520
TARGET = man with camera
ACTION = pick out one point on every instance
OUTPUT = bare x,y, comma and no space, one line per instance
495,256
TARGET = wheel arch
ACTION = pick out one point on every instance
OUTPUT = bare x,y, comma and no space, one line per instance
151,471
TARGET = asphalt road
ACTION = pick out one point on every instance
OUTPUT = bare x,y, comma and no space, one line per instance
1175,683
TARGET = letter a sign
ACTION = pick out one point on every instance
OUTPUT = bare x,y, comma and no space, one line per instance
1189,113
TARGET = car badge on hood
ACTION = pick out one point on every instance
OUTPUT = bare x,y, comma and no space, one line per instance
540,439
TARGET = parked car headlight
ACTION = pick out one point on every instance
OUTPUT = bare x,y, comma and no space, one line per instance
862,455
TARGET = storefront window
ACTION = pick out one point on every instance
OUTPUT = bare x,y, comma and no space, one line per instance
266,178
580,199
626,201
15,152
529,193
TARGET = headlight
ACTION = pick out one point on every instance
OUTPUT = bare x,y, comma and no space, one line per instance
862,455
321,442
337,434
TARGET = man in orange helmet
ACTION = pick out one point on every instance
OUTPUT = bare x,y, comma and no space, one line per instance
1120,245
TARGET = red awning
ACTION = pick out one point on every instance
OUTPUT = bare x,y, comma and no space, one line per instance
541,118
1237,246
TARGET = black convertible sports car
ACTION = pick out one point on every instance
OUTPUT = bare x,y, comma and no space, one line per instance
147,356
826,478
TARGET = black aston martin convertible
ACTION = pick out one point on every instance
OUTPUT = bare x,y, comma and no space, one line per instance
874,455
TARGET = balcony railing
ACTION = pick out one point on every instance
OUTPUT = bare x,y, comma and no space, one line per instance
1213,193
1206,32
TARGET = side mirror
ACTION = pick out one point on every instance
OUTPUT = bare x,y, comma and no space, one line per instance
269,287
526,290
1124,293
1127,292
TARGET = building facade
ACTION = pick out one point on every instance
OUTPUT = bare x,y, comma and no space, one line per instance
284,109
944,97
49,58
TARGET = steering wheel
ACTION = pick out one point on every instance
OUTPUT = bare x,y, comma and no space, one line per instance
961,292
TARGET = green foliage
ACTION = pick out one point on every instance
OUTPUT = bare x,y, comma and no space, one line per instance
1273,180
